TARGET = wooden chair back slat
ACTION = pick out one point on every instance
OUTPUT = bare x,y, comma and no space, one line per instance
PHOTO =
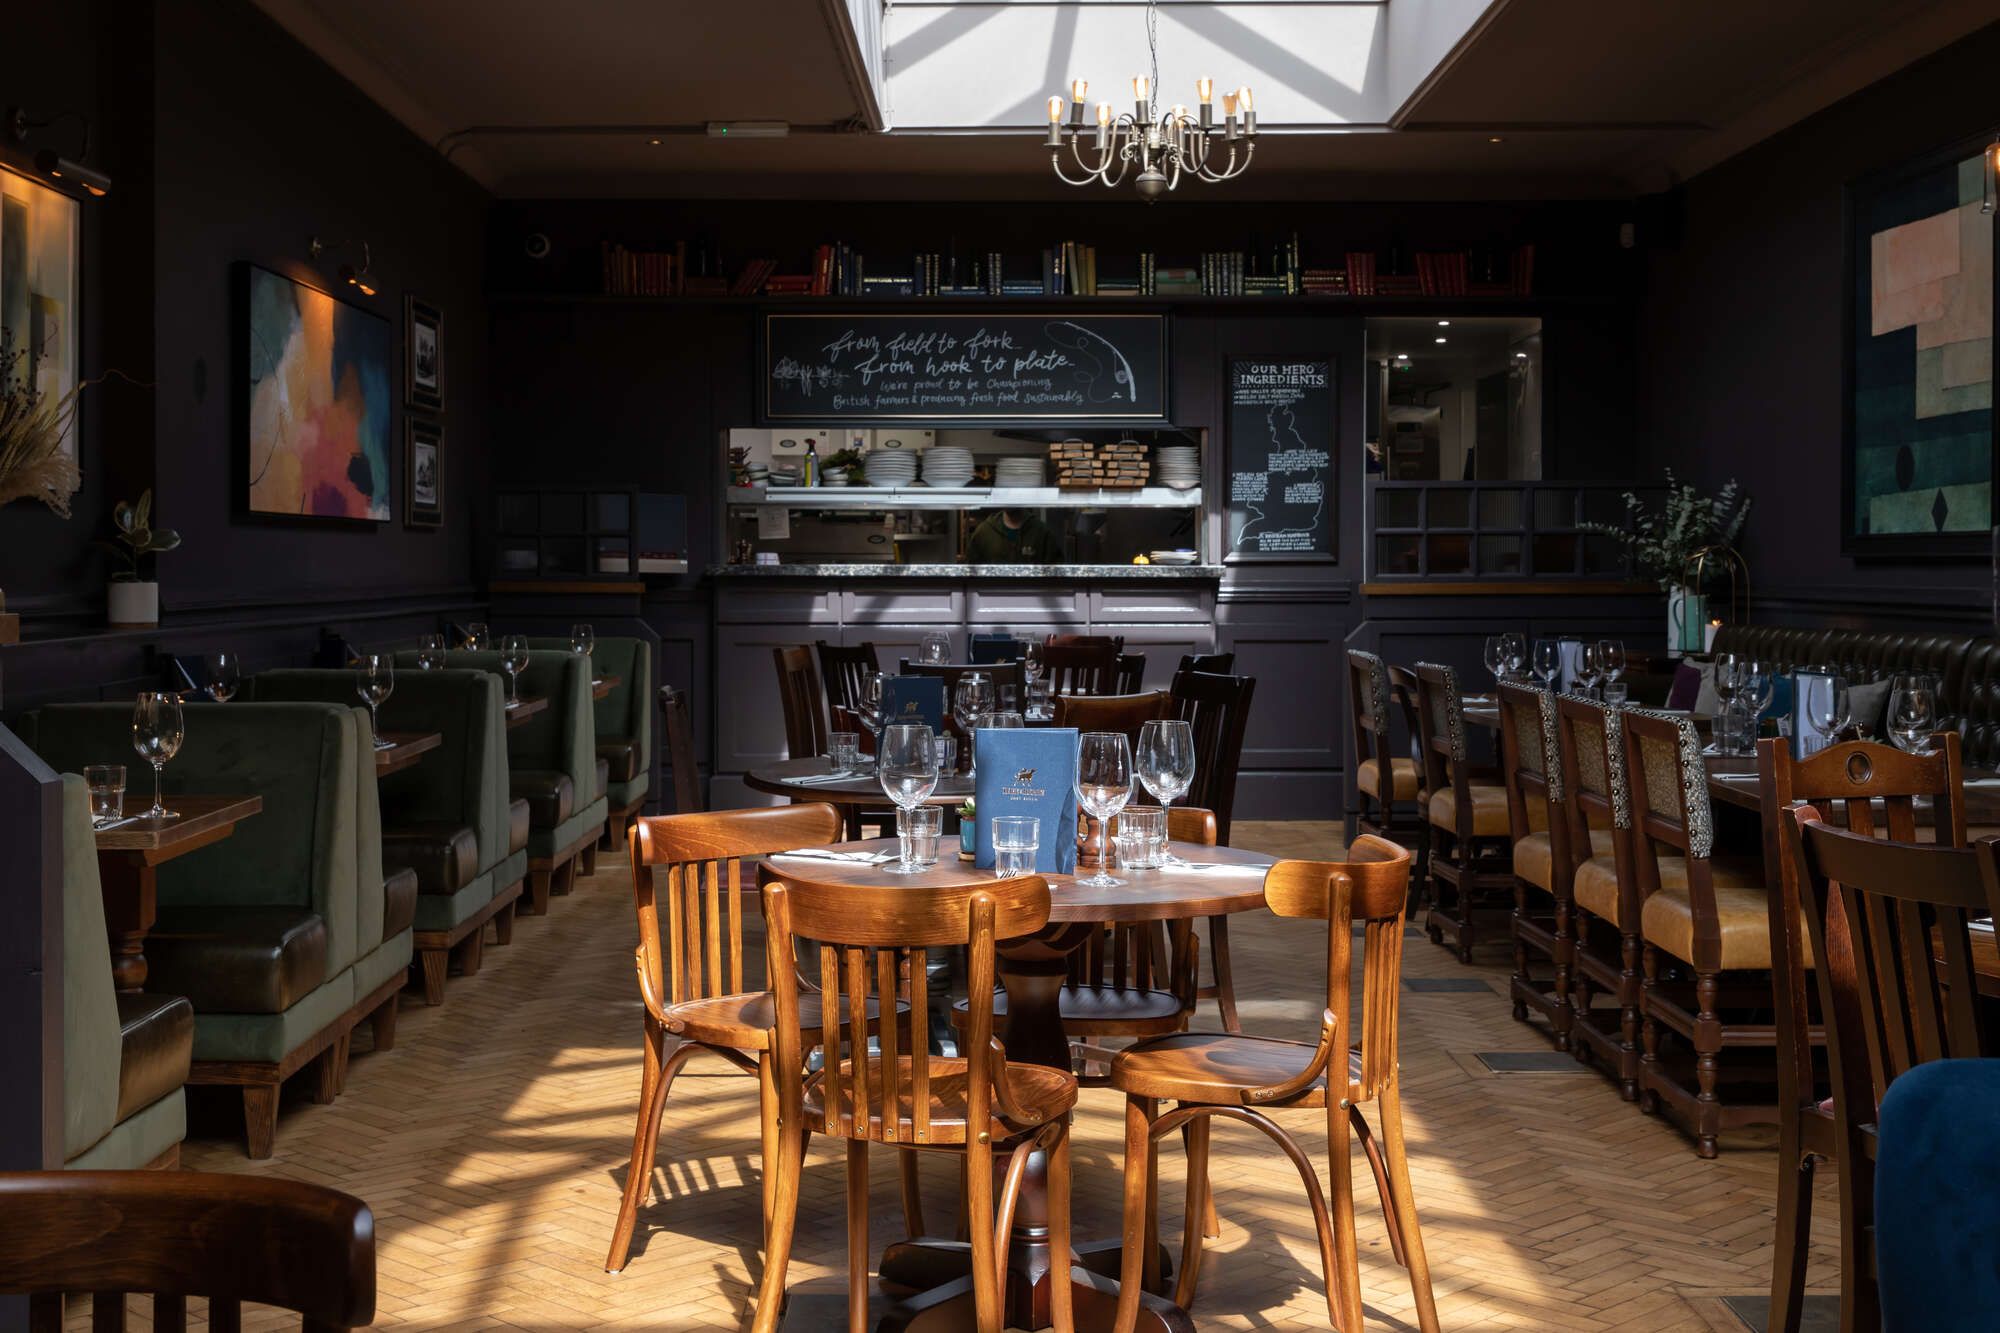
1217,709
677,722
920,1069
1880,914
300,1247
1131,676
1370,887
843,669
686,940
1112,712
1082,668
802,701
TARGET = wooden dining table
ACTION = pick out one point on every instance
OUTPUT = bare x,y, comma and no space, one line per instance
815,780
527,706
129,855
403,748
1214,881
601,686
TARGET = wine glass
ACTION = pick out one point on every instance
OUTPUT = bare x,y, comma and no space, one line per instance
1166,763
1760,687
157,732
971,699
870,703
374,681
936,647
582,640
1103,787
1031,660
477,636
1589,667
1515,645
1829,706
225,676
908,770
513,660
1728,681
1611,655
1548,661
430,652
1912,713
1496,657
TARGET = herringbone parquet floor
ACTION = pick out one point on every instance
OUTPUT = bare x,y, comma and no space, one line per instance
492,1142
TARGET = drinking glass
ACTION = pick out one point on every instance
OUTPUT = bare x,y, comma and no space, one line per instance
1496,657
918,830
1589,668
936,647
430,652
843,750
225,676
906,764
1031,660
1166,763
107,792
514,660
1729,675
582,640
1003,719
157,732
972,699
476,636
1515,645
1912,713
1548,661
947,752
1611,656
1016,839
1142,837
1615,693
1103,787
1829,707
1009,699
1039,707
374,681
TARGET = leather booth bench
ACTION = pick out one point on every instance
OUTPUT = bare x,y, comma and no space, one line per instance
623,725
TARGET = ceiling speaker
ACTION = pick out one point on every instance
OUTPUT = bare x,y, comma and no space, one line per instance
536,246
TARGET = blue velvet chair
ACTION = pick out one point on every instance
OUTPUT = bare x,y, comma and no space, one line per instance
1937,1214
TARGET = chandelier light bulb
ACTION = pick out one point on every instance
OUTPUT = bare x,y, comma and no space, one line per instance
1229,104
1142,88
1243,99
1180,114
1077,88
1055,110
1205,89
1104,115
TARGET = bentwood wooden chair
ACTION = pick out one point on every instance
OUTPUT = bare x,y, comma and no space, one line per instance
1704,920
897,1093
1872,790
802,701
1113,712
1897,988
678,727
1466,807
1216,709
1243,1078
176,1234
1388,787
1543,856
844,670
1081,668
690,968
1605,957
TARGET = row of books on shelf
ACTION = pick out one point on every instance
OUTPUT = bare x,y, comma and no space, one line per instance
1070,268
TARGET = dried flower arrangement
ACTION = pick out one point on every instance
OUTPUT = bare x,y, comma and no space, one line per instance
34,465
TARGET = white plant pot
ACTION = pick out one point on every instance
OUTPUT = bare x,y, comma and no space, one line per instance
132,603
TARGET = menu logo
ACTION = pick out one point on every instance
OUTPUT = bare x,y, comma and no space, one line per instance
911,708
1024,776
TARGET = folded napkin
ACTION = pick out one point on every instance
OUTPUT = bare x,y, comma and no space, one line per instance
823,779
851,858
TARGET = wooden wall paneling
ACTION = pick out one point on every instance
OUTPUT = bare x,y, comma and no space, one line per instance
1046,607
1292,765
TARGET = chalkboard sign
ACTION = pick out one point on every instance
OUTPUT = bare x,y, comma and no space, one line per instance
1281,481
990,369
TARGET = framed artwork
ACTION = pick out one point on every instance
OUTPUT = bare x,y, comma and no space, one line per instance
1920,445
40,231
423,473
423,364
315,399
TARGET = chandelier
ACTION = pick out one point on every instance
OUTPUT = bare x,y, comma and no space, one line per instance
1161,149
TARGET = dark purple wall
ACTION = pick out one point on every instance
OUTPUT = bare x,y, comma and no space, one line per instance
1741,336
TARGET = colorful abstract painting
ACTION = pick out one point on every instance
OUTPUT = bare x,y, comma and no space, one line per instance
1920,429
318,379
38,288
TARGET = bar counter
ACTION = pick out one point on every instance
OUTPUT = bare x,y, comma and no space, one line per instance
885,570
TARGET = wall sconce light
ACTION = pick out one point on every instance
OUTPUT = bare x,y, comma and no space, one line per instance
51,163
356,278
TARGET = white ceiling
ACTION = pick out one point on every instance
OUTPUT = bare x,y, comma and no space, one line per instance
1356,98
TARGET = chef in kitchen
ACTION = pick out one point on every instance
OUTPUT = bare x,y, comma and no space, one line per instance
1012,537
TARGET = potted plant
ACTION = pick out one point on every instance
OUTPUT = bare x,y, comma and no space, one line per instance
837,465
968,827
1665,544
131,600
35,463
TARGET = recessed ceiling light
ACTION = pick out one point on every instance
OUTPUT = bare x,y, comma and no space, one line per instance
1520,356
1496,139
654,142
1444,323
1402,356
1440,340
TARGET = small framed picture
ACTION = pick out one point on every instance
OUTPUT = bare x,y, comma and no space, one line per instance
423,481
423,362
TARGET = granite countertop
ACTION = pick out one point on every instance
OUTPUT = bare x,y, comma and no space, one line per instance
891,571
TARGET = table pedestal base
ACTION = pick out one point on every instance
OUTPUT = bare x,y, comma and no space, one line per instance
945,1305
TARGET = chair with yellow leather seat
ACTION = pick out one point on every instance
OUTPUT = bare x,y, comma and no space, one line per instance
1703,919
1471,870
1388,786
1543,855
1604,918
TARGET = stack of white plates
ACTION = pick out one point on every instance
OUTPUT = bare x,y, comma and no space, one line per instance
890,467
947,465
1018,473
1177,465
1181,556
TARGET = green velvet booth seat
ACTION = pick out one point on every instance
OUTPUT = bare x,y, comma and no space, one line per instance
125,1055
624,722
447,819
552,765
284,935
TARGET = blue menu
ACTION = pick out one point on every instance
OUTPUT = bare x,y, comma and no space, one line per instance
990,648
914,699
1028,771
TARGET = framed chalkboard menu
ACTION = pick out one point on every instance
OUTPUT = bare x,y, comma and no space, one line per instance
1281,482
985,369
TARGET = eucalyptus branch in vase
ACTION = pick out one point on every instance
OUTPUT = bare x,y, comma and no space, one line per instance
1664,542
35,463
